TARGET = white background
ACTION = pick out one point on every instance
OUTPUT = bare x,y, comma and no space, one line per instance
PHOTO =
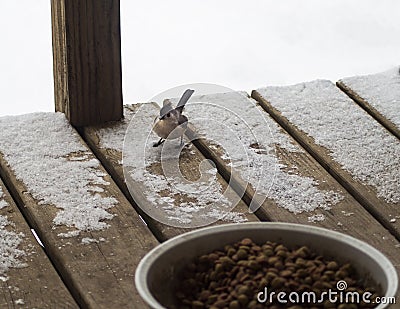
238,44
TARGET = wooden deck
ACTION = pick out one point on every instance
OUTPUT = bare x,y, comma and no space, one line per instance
95,267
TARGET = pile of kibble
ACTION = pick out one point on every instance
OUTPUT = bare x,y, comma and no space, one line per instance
234,276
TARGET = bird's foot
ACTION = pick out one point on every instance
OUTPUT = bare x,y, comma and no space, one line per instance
182,144
159,142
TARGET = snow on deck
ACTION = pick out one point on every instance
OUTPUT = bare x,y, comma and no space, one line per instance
381,91
112,137
46,154
249,138
10,253
355,140
172,199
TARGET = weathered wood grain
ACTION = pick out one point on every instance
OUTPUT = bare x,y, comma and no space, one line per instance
87,60
37,285
389,125
112,161
99,274
382,211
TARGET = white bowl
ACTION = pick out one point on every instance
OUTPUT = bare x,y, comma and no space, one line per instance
156,274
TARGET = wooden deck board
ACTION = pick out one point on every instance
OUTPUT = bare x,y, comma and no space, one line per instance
369,108
111,158
99,274
37,284
347,216
383,211
378,94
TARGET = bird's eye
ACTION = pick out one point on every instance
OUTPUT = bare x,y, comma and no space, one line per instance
168,115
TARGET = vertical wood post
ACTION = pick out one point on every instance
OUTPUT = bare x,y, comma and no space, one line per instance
87,60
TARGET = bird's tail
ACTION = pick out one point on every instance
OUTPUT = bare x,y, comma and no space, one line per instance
184,98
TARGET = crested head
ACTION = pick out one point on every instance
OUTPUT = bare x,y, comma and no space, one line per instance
167,108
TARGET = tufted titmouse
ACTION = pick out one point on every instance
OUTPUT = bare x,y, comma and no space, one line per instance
171,123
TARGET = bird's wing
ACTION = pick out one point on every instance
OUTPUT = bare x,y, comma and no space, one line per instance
183,100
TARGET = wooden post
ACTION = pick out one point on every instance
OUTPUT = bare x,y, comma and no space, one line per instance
87,60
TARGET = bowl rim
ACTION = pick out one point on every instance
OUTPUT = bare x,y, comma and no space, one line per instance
146,262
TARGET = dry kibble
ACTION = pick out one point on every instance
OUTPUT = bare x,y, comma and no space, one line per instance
246,242
277,283
220,304
231,278
213,298
280,247
226,261
262,259
253,304
318,285
282,253
332,265
196,304
234,304
302,252
285,273
279,265
243,299
270,276
272,260
301,273
268,252
241,254
300,262
243,289
245,248
347,306
254,265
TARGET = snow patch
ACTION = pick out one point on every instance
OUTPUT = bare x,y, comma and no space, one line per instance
355,140
3,203
173,199
88,241
316,218
249,139
112,136
69,234
381,91
46,154
10,254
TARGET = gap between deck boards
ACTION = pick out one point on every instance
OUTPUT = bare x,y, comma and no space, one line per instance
343,177
110,167
45,270
89,270
111,158
272,212
161,231
386,123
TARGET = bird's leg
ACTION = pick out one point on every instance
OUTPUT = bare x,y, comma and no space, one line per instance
182,143
159,142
